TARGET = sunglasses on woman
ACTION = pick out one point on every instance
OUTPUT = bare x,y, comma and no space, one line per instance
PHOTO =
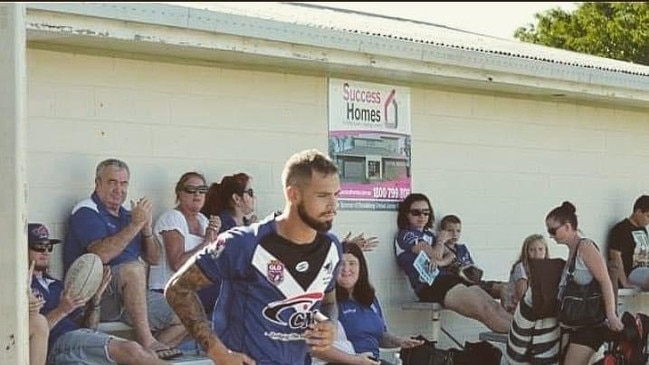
419,212
195,189
250,192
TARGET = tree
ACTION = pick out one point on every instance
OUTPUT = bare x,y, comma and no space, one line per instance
617,30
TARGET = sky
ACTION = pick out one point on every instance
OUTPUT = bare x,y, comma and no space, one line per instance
498,19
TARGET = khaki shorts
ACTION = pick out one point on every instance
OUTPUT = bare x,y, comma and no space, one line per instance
159,312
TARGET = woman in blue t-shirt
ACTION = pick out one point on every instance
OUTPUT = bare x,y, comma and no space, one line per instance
360,314
415,221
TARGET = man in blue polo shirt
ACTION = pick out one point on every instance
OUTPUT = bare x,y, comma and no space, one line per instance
120,237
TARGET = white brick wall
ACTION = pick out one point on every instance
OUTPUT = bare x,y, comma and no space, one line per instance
500,163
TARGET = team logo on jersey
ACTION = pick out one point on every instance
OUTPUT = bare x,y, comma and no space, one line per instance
275,272
302,266
328,271
215,248
301,314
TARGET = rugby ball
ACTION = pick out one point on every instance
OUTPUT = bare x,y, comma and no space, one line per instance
84,276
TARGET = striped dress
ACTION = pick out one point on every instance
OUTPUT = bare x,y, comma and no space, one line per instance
532,341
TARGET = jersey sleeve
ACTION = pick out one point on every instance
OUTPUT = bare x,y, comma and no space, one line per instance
339,249
615,239
406,239
226,258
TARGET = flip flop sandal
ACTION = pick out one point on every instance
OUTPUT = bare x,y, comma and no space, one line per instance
168,353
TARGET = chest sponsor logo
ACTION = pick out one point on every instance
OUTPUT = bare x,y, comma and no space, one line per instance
296,312
302,266
275,272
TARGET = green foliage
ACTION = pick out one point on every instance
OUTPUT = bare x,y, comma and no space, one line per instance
617,30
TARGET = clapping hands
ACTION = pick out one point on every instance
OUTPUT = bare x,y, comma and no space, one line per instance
142,212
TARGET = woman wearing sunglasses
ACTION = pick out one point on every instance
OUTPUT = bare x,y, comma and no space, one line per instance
583,342
415,221
183,231
233,200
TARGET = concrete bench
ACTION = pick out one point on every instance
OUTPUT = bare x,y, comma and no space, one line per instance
435,310
493,337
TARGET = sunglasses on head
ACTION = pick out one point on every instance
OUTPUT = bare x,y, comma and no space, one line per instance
250,192
553,230
419,212
42,248
195,189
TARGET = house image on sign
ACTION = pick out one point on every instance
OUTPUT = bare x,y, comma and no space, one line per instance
371,158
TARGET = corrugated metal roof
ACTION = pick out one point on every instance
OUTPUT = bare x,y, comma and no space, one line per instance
416,32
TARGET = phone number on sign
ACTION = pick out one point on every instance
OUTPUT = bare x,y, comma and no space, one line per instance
381,192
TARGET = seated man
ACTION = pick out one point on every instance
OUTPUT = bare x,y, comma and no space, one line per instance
101,225
39,330
453,225
72,323
628,247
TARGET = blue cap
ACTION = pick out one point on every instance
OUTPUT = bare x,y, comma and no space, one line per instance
37,234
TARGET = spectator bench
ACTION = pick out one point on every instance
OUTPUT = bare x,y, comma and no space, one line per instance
435,310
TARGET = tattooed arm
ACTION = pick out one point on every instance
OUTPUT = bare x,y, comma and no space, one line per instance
181,295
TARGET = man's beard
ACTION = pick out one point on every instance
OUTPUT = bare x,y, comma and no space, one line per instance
321,227
42,268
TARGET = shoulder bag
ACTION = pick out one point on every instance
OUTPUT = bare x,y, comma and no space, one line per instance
581,305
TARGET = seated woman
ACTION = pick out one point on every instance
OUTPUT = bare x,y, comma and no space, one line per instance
232,200
360,314
183,231
415,220
534,247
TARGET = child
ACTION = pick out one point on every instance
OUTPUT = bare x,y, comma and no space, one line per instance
453,226
534,247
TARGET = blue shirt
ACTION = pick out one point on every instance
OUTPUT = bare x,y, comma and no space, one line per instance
91,221
363,325
406,239
275,289
462,254
52,296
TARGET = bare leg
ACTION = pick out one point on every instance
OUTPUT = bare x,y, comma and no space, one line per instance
578,354
133,279
131,353
39,332
473,302
174,334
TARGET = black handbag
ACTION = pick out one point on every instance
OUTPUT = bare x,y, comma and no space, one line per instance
581,305
426,354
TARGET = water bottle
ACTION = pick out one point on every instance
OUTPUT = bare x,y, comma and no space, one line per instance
397,359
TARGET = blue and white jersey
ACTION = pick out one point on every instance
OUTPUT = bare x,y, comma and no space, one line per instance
275,289
405,240
462,254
